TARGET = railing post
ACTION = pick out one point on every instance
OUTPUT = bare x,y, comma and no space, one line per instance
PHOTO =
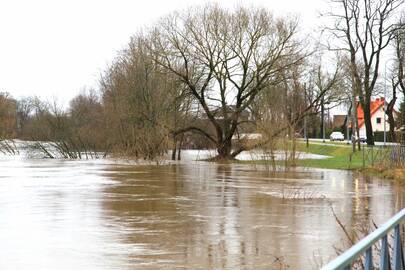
398,259
369,259
384,257
372,155
364,161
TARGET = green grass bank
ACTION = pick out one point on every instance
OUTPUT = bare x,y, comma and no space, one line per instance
340,156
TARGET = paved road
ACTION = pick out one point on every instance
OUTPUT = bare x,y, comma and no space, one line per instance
327,142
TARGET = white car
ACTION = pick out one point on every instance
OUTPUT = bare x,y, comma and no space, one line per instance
337,136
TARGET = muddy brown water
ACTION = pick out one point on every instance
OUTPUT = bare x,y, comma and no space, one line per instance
57,214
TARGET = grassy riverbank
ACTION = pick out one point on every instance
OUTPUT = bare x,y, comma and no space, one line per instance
340,156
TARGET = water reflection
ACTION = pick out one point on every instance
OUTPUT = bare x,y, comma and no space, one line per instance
104,215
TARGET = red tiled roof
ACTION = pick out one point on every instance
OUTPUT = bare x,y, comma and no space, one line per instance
374,106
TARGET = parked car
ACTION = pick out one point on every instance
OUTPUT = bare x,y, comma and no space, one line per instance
363,138
337,136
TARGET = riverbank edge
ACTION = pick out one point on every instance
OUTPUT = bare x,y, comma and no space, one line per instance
340,157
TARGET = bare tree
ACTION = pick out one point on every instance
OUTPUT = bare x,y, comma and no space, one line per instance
399,45
366,29
302,91
140,103
87,120
7,116
351,94
328,85
225,59
24,109
398,75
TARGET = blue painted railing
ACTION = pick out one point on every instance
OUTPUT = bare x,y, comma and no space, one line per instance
365,247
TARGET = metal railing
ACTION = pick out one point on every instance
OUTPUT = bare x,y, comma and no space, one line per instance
365,247
389,156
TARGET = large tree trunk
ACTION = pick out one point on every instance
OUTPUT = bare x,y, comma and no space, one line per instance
180,147
391,119
224,150
174,148
367,123
356,129
322,120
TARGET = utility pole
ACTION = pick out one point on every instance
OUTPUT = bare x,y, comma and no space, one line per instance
323,119
305,119
306,131
385,99
347,129
354,122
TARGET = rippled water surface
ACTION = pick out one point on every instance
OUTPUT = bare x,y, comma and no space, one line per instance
57,214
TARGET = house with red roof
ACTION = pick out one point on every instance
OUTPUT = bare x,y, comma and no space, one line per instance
377,117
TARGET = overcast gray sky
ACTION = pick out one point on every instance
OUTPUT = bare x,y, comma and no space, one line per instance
54,48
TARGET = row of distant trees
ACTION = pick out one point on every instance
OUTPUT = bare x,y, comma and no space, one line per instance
31,118
208,75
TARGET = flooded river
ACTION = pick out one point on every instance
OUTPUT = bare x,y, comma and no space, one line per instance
57,214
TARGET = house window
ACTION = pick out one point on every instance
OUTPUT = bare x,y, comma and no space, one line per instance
378,120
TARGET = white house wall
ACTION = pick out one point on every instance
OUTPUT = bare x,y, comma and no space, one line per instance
379,127
376,127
